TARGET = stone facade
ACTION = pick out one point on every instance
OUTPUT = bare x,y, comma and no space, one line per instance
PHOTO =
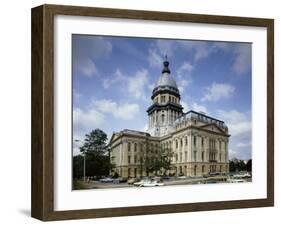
199,143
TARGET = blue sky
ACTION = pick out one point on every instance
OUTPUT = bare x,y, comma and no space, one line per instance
113,78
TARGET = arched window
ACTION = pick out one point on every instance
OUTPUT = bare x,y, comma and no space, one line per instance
163,118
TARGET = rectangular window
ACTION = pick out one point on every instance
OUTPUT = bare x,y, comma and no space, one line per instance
129,172
135,159
194,140
194,153
129,159
202,142
203,156
185,156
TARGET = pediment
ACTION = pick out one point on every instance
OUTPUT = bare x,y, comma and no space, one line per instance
213,127
114,137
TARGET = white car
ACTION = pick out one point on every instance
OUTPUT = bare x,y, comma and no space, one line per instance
107,180
141,182
152,183
236,181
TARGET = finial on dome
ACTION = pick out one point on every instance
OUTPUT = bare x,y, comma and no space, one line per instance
166,66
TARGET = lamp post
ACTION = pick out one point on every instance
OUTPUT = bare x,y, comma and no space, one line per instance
84,162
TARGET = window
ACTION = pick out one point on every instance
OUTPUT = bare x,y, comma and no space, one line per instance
185,154
163,118
176,143
169,98
186,141
129,159
136,159
203,169
181,142
195,169
194,140
202,142
176,157
129,147
194,156
220,157
180,157
135,147
202,156
129,172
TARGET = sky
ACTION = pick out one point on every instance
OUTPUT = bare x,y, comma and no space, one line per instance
113,79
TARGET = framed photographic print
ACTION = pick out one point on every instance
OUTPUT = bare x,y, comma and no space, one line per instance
141,112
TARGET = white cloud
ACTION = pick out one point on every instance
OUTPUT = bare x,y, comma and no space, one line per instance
117,77
185,106
233,154
87,67
145,128
218,91
165,47
83,122
137,84
87,119
120,111
243,58
200,49
186,67
127,111
154,58
184,75
237,122
199,108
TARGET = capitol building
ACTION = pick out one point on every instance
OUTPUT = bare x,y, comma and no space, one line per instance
198,142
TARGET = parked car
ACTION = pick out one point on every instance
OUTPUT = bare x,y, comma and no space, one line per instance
121,180
142,181
133,180
107,180
151,183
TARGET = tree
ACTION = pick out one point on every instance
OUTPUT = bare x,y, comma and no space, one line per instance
249,165
96,153
160,160
78,166
236,165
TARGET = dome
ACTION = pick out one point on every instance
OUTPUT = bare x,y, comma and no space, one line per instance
166,79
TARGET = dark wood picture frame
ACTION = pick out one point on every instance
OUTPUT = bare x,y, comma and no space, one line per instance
42,203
